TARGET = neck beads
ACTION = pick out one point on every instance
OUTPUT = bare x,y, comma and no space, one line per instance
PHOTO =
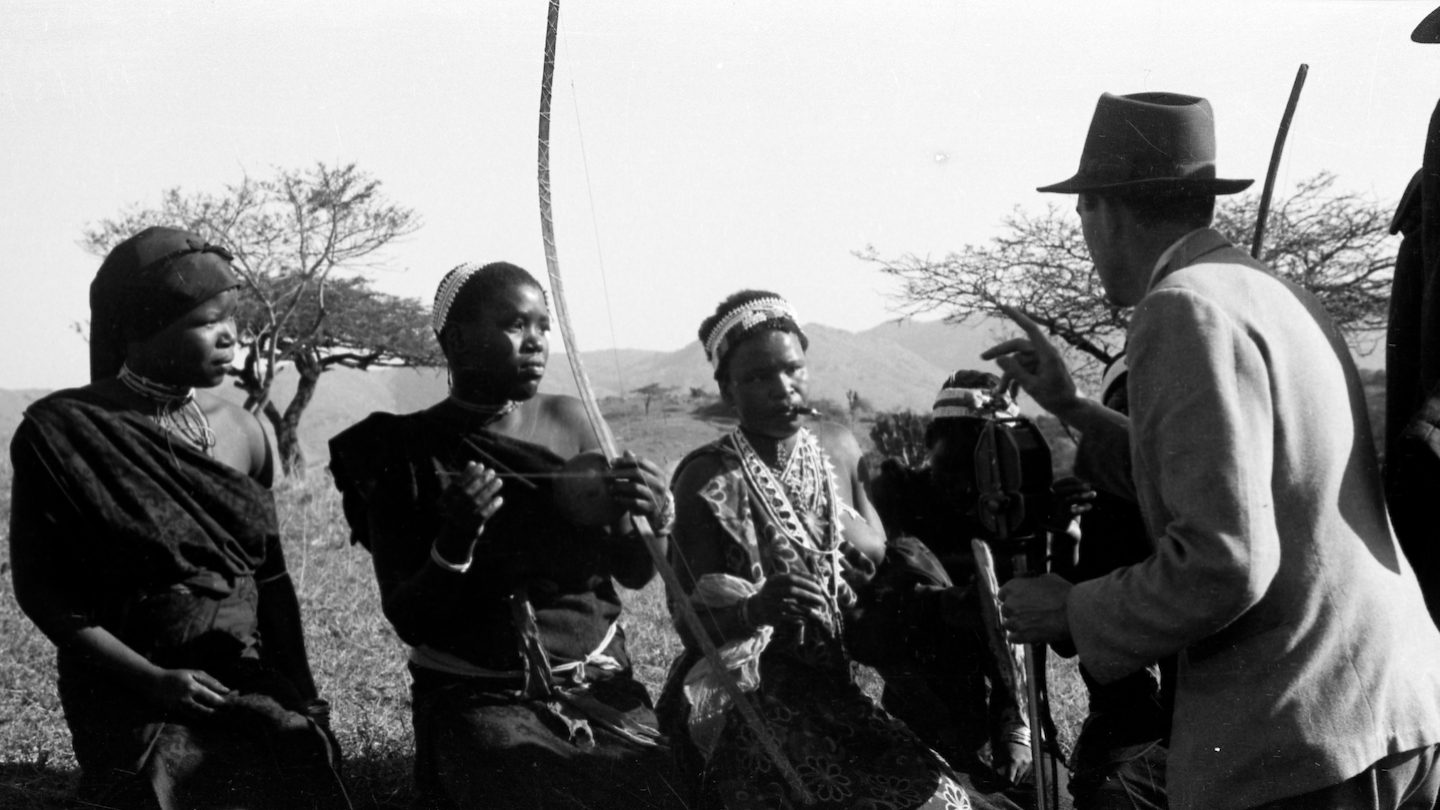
175,410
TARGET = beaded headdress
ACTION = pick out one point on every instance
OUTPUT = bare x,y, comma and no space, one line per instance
960,396
445,295
740,320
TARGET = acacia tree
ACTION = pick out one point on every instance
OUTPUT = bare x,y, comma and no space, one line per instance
301,240
1335,244
653,391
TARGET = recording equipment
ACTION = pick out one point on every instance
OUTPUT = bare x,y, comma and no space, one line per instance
1013,478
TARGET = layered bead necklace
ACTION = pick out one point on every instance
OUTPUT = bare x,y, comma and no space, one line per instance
176,411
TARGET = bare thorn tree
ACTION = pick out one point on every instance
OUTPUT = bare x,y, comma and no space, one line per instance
301,240
1335,244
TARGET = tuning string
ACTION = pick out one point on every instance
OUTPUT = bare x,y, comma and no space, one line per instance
595,226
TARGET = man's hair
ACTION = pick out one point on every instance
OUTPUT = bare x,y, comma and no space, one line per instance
1193,209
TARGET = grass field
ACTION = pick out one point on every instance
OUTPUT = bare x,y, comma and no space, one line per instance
357,659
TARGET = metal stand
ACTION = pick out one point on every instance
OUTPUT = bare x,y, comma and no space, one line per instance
1002,509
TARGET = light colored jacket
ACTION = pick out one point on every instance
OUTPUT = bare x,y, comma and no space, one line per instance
1306,651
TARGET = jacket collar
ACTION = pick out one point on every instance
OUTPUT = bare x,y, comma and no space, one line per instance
1187,250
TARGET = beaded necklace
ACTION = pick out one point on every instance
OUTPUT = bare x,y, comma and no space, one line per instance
176,411
489,414
804,505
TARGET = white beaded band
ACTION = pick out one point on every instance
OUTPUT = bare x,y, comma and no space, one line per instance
445,296
974,402
743,317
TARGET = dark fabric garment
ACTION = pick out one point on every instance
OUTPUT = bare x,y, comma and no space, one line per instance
1412,375
1120,752
391,470
943,677
1409,780
146,283
480,742
847,751
1129,777
162,546
167,512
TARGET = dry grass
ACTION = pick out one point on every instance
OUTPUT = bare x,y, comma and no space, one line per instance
357,658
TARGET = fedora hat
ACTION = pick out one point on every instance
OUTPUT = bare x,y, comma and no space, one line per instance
1428,31
1149,141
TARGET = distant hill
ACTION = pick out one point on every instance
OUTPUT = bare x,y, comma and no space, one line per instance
946,346
896,365
890,366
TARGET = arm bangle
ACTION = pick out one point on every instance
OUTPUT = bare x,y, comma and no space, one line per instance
745,618
458,568
666,518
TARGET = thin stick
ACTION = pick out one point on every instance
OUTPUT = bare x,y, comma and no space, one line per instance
496,463
1264,212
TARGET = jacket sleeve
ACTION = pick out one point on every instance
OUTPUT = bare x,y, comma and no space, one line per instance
1202,442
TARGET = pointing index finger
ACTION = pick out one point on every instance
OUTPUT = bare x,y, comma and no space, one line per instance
1009,346
1020,318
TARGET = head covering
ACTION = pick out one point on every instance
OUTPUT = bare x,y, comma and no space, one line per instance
1428,31
971,394
1149,141
445,294
744,319
145,284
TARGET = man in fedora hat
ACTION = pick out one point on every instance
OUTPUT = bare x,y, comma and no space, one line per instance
1304,679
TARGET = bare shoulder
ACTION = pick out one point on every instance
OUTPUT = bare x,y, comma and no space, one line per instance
241,441
562,419
839,443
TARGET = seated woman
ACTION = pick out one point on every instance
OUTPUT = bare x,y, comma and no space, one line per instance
523,694
949,673
144,544
774,534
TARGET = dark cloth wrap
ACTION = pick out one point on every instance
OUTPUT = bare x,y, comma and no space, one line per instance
483,741
168,550
146,283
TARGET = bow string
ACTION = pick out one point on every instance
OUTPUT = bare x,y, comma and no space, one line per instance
606,439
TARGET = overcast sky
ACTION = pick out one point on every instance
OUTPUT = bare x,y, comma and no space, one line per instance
699,147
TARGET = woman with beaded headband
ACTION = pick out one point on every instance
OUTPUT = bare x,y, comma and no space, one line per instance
497,567
948,671
774,535
144,544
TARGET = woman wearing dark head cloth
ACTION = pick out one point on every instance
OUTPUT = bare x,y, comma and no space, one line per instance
500,576
144,544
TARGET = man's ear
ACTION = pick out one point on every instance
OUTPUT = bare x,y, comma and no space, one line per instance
725,396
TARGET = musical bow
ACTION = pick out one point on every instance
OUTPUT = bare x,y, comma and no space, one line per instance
687,612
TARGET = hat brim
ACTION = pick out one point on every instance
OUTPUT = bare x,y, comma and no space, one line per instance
1213,185
1428,31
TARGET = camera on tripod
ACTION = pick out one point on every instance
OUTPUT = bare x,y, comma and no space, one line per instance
1013,480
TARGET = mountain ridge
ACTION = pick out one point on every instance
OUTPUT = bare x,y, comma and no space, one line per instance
897,365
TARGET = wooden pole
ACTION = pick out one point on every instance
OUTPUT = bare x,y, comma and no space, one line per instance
1264,211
